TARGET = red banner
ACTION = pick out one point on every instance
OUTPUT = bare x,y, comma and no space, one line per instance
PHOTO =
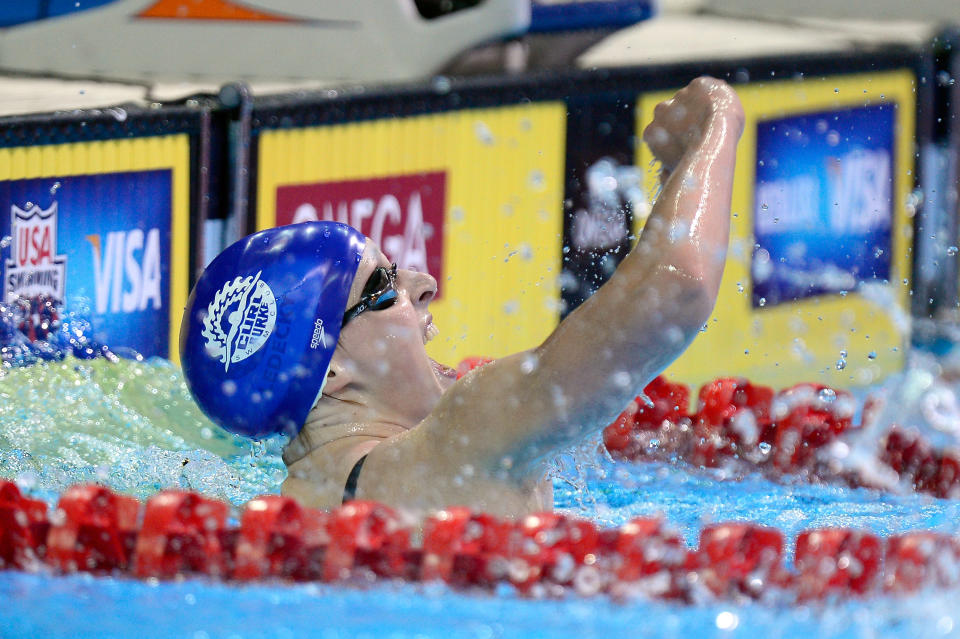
403,214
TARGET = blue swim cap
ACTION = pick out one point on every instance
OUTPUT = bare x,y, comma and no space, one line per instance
262,323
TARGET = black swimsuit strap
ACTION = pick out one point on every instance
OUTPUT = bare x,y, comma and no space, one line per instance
350,489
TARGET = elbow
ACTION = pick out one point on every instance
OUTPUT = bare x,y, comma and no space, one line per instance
690,303
702,299
694,278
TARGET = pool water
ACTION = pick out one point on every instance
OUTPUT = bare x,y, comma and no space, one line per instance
132,426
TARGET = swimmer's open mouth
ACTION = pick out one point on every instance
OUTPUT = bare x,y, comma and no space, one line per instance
430,329
443,370
429,332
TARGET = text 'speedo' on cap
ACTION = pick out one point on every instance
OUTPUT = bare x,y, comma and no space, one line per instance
262,323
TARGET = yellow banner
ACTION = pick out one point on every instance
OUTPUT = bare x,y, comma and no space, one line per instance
491,179
76,159
846,338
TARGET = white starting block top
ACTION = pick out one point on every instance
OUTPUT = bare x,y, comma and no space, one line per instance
685,31
21,95
689,38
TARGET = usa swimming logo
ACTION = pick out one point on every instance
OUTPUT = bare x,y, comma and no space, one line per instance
239,319
34,269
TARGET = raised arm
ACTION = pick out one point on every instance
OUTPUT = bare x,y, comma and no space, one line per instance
512,413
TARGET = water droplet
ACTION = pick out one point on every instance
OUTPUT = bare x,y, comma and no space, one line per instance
762,301
441,84
536,180
120,115
483,133
727,620
878,252
621,379
951,250
872,355
841,364
827,395
54,188
764,447
529,364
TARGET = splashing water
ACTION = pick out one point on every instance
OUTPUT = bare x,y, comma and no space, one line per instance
72,411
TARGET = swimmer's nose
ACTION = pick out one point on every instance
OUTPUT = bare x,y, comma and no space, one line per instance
421,287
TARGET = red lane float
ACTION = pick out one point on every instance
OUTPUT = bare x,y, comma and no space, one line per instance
23,528
921,559
739,559
182,533
462,548
95,530
367,534
834,561
543,554
553,549
278,538
649,558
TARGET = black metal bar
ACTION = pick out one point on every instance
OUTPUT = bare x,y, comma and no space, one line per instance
200,154
935,267
237,98
124,121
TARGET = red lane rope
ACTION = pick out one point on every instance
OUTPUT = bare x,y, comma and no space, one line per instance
775,432
181,533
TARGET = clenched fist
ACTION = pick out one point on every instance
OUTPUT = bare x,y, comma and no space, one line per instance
682,123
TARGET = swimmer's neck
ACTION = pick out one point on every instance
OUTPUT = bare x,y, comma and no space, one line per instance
334,423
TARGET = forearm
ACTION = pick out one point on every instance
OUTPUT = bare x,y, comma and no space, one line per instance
689,226
657,300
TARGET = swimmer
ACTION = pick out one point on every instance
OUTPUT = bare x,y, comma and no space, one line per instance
311,331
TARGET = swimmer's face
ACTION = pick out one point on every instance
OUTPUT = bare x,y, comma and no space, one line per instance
384,350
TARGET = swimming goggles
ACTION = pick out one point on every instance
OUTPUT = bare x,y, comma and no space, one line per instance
379,293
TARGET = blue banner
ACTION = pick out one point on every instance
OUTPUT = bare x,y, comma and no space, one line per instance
98,244
823,203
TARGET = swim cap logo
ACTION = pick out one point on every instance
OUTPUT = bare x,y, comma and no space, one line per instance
250,310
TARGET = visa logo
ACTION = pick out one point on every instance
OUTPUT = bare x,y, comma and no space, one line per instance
127,270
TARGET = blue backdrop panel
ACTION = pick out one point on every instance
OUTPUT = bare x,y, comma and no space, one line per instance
823,207
100,243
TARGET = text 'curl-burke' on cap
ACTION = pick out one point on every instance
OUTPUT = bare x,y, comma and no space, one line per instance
262,323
